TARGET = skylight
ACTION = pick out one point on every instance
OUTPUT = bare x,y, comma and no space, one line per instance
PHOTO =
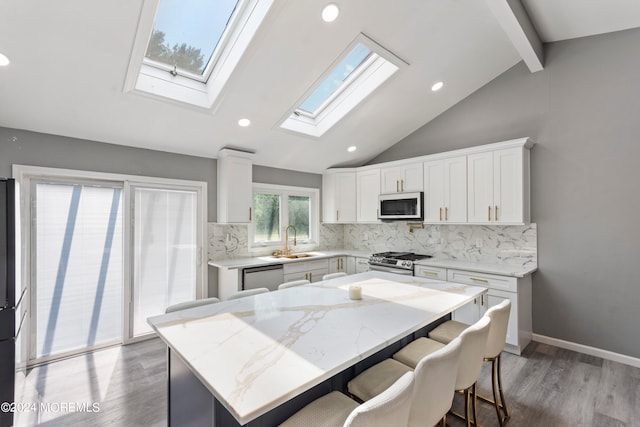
336,81
186,50
186,33
358,72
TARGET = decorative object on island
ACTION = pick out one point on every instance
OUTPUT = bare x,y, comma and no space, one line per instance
355,292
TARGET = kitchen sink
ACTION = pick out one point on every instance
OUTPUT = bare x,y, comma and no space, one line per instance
296,256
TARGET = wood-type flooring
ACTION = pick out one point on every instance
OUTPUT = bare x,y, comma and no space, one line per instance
546,387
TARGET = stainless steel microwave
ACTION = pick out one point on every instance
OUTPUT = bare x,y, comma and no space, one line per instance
401,206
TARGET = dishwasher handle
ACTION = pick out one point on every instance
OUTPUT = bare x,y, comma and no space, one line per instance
263,268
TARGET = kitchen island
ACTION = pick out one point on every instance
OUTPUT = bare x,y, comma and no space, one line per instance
255,361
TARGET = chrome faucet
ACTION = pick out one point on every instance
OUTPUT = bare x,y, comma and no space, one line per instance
287,249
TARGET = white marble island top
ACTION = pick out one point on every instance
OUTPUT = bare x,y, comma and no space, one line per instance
258,261
256,353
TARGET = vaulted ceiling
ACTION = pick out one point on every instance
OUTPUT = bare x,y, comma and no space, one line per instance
69,61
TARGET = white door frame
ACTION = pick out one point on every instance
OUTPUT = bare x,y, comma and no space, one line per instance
24,174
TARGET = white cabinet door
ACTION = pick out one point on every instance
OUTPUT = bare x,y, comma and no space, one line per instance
367,191
455,189
402,179
498,187
480,187
351,265
338,264
445,184
434,191
362,265
508,185
390,179
412,178
235,194
472,312
339,197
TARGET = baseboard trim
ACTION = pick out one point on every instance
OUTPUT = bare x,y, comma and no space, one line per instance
585,349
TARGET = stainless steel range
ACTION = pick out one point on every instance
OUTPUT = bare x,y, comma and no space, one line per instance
395,262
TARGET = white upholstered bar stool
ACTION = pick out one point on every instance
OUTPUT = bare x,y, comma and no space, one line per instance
473,342
499,315
390,408
435,376
333,276
247,293
191,304
293,284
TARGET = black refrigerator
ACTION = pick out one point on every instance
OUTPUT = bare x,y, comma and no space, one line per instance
8,309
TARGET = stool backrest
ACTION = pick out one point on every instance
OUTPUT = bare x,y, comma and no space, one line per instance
435,384
190,304
293,284
499,315
474,341
389,408
333,276
248,293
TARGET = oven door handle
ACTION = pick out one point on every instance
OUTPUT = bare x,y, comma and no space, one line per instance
374,267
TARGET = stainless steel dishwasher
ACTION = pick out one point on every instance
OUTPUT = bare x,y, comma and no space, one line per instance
267,276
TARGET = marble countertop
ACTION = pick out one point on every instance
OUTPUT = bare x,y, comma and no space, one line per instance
500,269
256,353
258,261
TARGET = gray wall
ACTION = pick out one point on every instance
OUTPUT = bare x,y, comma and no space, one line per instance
583,111
39,149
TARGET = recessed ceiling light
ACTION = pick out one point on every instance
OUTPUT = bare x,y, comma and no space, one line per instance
352,149
437,86
330,12
3,60
244,122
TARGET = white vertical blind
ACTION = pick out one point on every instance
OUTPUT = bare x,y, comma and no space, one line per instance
164,251
79,266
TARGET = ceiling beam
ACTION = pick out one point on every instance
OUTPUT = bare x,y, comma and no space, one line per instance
518,26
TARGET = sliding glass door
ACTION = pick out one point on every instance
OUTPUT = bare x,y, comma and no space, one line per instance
103,253
165,251
78,241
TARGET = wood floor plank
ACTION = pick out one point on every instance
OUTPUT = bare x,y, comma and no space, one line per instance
545,387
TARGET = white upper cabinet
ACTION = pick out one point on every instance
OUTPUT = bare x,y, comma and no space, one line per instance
235,195
498,186
445,186
367,191
339,197
402,179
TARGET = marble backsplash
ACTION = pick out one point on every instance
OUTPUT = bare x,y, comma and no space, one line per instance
232,241
496,244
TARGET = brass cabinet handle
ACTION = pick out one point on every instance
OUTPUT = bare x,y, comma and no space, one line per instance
489,218
337,216
446,214
479,279
402,185
434,273
440,214
249,214
311,277
397,186
495,215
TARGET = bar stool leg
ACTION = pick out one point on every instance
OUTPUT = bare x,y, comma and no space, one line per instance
503,403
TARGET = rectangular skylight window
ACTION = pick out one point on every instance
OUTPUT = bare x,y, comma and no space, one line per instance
186,50
336,80
187,33
356,74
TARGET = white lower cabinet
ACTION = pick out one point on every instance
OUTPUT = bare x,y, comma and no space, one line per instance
357,265
338,265
306,270
499,288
